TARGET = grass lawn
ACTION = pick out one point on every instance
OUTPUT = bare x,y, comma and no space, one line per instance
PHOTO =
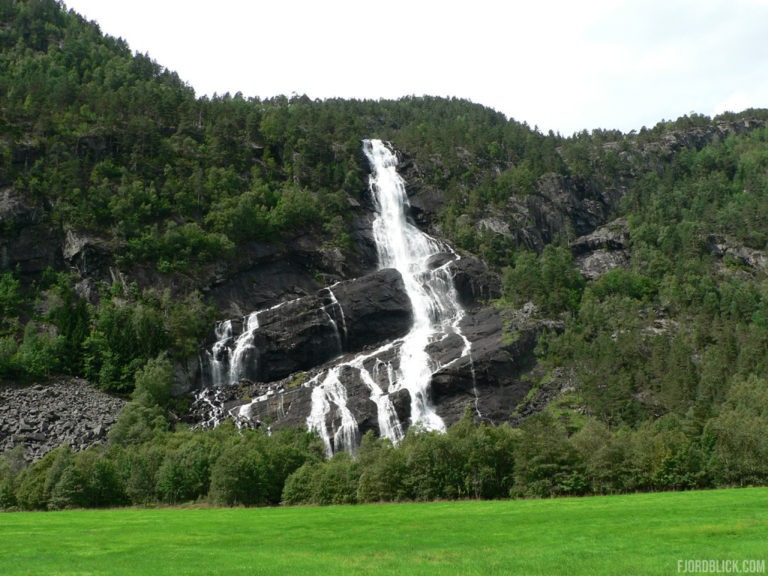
639,534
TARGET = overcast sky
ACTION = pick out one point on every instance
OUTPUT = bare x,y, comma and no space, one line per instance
562,65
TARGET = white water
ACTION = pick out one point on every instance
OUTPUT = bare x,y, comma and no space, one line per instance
389,423
335,305
243,346
436,315
436,309
231,360
220,353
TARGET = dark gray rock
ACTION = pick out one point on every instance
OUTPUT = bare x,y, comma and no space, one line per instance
43,417
297,336
304,333
565,203
375,308
264,274
28,242
474,282
492,381
359,402
283,408
426,202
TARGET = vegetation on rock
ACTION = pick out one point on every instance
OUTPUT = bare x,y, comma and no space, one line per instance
114,176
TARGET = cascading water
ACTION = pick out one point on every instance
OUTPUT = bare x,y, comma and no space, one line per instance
402,246
219,360
436,312
233,359
243,347
403,364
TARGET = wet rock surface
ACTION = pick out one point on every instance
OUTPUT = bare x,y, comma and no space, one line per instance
492,381
375,307
301,334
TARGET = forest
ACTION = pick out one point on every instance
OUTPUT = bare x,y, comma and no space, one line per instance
666,356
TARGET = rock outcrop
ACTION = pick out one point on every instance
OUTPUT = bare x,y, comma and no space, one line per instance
492,381
267,273
306,332
375,308
89,255
603,250
738,255
474,282
560,207
27,242
309,331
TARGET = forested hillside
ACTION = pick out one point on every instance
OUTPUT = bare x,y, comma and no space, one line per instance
129,207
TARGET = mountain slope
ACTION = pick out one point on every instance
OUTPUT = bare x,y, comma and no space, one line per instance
611,280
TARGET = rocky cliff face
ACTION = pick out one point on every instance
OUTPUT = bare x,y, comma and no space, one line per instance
337,360
301,334
27,242
340,305
492,380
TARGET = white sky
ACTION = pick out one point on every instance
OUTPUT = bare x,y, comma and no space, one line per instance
562,65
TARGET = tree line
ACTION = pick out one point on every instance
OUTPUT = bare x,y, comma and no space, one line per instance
143,464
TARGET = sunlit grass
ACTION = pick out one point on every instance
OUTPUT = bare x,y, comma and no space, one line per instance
639,534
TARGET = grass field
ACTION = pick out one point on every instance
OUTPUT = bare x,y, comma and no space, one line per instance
640,534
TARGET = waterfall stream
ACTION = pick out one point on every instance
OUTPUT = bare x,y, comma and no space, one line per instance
403,364
401,245
436,312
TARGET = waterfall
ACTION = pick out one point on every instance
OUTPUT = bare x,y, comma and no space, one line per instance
219,357
243,348
436,310
335,313
402,364
436,314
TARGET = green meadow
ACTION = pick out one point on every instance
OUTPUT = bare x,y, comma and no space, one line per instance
635,534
